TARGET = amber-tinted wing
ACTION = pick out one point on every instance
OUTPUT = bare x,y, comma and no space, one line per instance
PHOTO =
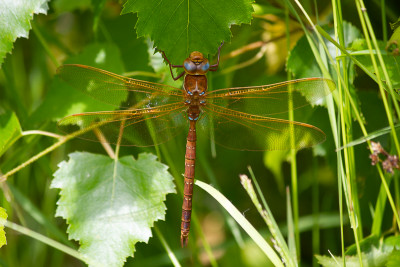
274,98
140,127
118,90
242,131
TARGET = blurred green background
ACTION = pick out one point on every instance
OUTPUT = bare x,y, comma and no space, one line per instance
29,88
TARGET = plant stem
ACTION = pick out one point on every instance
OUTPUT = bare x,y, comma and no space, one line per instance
44,44
39,132
48,241
62,140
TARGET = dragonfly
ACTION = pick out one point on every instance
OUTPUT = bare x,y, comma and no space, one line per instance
242,118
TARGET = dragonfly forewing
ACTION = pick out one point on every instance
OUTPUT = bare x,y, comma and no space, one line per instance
142,127
120,91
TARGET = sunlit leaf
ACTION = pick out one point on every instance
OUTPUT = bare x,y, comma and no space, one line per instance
10,130
180,27
15,17
374,253
108,207
394,259
3,218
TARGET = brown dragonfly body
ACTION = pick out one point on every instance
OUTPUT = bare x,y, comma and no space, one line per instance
195,87
153,113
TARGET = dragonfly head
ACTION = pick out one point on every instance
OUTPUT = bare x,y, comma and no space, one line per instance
196,57
196,64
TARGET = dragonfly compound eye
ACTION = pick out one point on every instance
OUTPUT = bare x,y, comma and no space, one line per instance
189,66
205,66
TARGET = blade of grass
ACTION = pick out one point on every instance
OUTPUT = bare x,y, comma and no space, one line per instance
370,36
165,245
205,164
36,214
351,202
293,162
315,212
195,222
291,229
51,242
370,136
266,214
241,220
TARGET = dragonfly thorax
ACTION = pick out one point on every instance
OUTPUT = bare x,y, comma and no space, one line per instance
195,87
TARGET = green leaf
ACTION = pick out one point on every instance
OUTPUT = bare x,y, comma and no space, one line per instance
394,259
180,27
15,17
109,208
374,258
362,54
273,161
3,218
374,253
10,130
365,245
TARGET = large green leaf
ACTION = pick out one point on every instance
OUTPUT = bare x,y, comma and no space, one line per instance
3,218
10,130
109,208
15,17
180,27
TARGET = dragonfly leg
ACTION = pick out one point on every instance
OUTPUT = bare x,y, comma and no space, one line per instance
171,66
177,77
215,66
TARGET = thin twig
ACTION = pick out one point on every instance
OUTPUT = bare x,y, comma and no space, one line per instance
104,142
255,45
25,133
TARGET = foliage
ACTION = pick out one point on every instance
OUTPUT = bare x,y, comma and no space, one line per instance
169,23
15,17
3,218
10,130
122,200
113,200
375,253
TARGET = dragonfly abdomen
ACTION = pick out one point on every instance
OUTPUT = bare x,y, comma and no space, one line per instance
190,158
